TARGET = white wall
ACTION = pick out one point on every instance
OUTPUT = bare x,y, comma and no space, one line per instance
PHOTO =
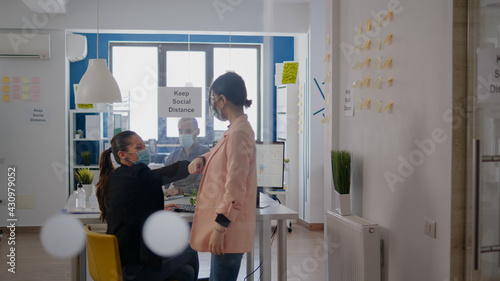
383,144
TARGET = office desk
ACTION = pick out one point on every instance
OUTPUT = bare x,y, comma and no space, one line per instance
272,211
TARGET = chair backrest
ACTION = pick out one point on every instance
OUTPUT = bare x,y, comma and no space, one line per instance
103,256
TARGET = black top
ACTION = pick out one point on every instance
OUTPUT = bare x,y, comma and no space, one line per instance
134,193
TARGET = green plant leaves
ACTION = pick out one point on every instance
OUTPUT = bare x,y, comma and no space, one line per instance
341,170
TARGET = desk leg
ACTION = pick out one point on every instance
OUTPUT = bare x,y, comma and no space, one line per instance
282,229
250,265
265,249
79,266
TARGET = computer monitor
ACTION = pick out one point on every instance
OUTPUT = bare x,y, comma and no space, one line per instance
270,165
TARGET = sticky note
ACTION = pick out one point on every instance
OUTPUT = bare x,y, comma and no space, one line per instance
6,80
36,97
389,82
35,89
378,83
378,106
326,120
366,104
359,102
357,65
378,45
388,16
327,98
359,46
328,76
6,98
300,103
16,88
388,39
6,89
327,39
378,63
300,112
35,80
15,96
367,44
25,96
327,58
357,84
299,131
26,80
368,26
388,63
366,62
26,89
299,122
388,107
379,20
359,29
366,82
289,73
16,79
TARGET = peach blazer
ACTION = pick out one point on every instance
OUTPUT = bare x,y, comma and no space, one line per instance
228,187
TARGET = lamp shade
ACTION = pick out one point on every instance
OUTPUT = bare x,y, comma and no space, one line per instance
97,85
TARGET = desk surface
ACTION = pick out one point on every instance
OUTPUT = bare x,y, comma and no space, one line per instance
271,210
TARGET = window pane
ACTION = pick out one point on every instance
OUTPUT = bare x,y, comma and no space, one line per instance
184,67
244,62
136,71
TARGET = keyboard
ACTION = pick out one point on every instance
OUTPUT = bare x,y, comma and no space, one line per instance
188,208
173,197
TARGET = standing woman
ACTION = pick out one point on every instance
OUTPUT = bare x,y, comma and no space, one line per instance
224,220
127,196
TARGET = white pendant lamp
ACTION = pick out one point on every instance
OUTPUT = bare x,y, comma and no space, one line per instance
97,84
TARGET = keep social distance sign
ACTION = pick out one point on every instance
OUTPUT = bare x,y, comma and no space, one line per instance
179,102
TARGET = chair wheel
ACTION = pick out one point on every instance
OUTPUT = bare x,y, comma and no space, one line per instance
289,229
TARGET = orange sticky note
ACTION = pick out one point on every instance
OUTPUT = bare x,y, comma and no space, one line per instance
327,58
366,82
389,82
6,98
388,39
389,15
366,104
366,62
388,107
6,89
368,26
367,44
6,80
388,63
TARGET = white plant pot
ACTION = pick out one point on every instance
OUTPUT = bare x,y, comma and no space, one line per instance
88,190
344,207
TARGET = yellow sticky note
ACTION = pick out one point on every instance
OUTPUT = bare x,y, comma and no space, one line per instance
388,63
357,84
366,82
367,44
366,104
368,26
326,120
26,96
378,45
328,76
379,20
358,64
378,106
327,58
300,103
6,89
26,89
389,15
327,39
359,102
299,122
388,107
290,72
359,29
366,62
300,112
359,46
389,82
388,39
328,99
6,98
299,131
6,80
26,80
378,63
378,83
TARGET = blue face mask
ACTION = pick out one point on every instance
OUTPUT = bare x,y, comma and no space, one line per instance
186,140
144,157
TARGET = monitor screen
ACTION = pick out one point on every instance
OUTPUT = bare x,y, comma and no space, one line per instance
270,164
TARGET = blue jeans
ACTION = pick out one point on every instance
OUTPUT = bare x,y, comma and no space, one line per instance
183,267
225,267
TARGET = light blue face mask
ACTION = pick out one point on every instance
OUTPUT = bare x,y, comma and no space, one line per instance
186,140
144,156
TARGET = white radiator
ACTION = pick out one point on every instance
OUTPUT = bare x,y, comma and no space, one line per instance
353,248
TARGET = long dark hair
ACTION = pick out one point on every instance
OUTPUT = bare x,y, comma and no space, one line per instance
232,86
118,143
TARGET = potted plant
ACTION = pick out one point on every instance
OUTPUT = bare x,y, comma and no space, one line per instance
341,172
86,177
85,157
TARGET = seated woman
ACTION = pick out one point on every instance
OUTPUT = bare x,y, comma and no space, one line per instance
130,193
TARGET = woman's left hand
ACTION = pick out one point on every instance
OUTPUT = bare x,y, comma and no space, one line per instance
216,243
171,207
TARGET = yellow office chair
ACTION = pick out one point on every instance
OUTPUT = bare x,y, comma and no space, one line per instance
103,256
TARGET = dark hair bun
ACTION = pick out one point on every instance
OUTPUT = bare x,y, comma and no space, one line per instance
247,103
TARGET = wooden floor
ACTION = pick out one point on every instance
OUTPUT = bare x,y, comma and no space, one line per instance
304,253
